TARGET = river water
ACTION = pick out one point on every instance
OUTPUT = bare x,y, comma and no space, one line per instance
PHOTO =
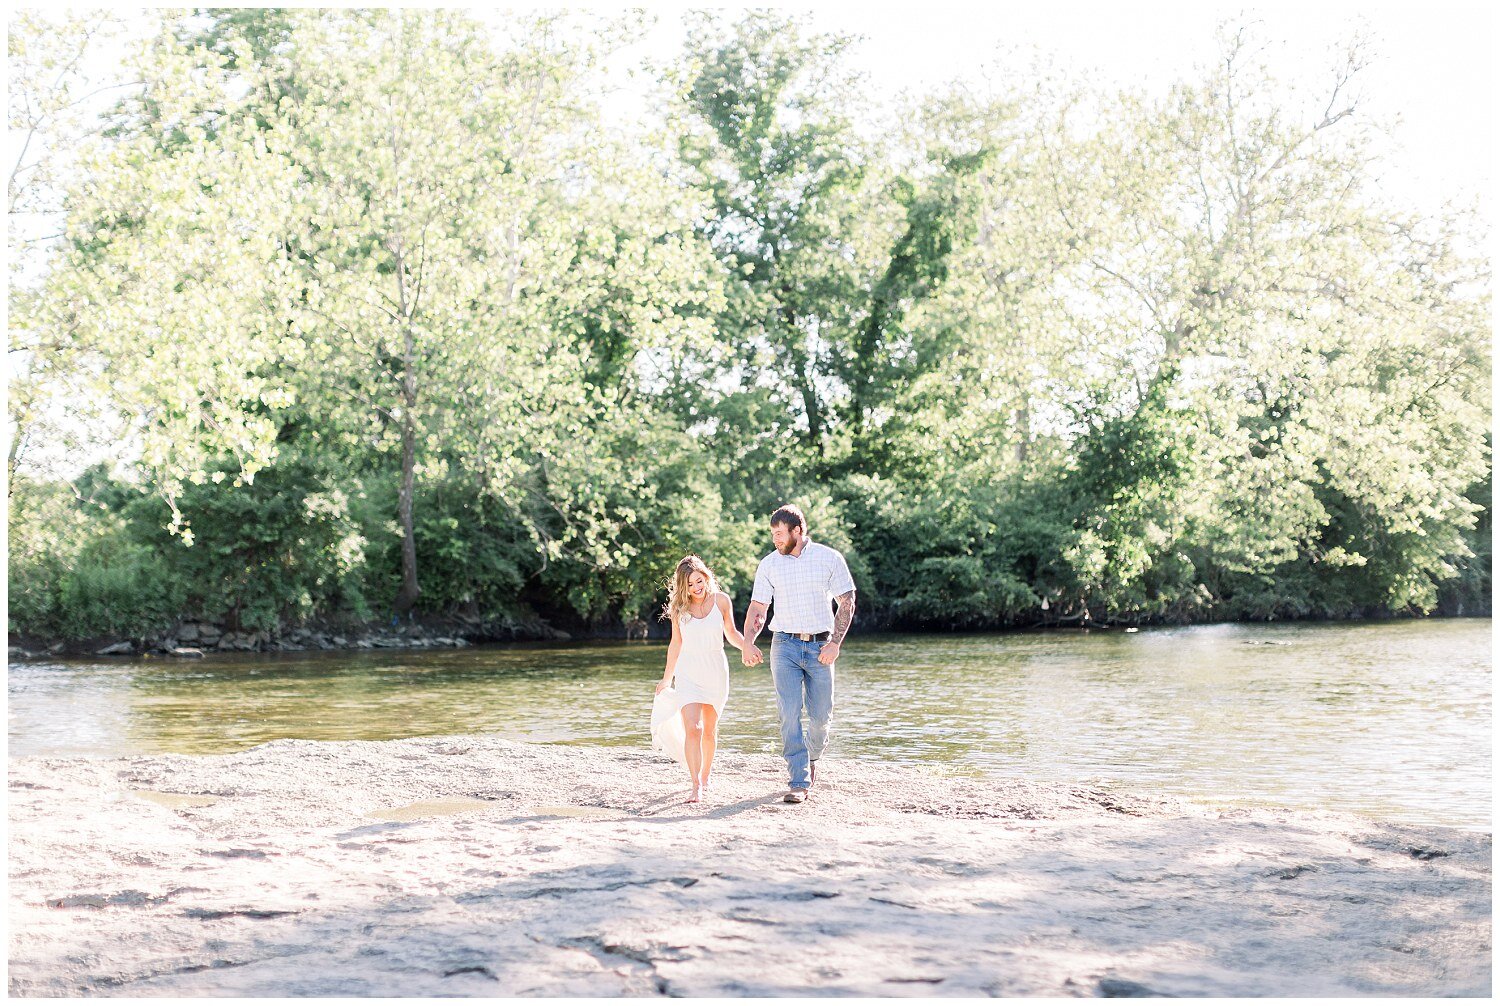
1386,719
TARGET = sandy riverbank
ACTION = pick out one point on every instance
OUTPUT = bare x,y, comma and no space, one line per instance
476,866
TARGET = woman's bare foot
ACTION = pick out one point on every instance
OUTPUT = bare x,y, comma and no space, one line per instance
695,796
703,786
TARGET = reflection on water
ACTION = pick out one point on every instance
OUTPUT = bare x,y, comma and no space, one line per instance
1390,719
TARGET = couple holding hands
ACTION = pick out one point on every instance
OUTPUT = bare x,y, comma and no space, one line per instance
801,577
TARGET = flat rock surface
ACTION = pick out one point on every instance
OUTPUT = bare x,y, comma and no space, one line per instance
477,866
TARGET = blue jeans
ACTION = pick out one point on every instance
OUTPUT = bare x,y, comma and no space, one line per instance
796,672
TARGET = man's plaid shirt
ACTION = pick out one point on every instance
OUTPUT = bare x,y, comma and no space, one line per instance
801,588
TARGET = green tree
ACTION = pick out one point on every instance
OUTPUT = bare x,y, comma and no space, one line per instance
156,311
281,550
826,246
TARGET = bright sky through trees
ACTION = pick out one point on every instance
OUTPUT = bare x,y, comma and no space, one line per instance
1432,75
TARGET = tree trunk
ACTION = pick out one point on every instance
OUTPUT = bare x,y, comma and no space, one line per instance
802,367
410,589
10,461
1023,433
814,414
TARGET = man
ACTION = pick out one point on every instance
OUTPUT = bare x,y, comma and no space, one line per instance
801,576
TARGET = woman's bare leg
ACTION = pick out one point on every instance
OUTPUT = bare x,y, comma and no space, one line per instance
692,718
710,740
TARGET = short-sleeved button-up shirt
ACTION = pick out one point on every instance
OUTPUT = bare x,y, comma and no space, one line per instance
802,587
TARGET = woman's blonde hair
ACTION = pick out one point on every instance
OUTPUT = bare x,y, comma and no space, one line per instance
677,586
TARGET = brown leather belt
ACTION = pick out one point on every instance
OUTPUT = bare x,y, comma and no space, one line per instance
808,637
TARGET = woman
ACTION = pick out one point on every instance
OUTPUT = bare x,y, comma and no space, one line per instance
685,719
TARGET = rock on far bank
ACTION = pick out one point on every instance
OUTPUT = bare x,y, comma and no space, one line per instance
476,866
196,639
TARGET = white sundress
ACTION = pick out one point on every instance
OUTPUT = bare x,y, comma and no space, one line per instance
701,675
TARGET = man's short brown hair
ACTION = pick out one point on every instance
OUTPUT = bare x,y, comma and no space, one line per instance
790,515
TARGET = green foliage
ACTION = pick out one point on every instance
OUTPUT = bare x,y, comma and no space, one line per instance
276,552
1127,493
1468,592
47,531
645,491
75,573
118,587
825,245
385,316
473,555
940,558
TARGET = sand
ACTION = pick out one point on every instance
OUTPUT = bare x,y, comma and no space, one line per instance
477,866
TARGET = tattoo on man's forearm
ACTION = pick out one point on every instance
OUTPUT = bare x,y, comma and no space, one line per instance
843,618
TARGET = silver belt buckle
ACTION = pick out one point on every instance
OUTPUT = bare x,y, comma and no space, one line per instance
806,637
